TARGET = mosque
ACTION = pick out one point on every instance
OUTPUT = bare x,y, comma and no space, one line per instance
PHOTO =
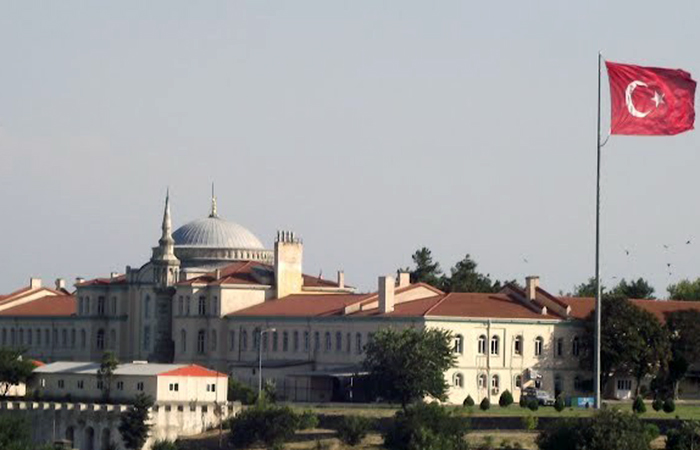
212,294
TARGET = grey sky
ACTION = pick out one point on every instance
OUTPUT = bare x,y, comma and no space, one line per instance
369,128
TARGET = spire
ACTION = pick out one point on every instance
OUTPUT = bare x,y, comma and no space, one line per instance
213,203
167,222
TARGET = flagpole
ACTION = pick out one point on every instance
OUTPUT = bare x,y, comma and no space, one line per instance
596,363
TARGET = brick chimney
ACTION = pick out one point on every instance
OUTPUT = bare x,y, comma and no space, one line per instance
531,284
386,294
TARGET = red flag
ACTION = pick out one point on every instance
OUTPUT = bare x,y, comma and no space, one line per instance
650,100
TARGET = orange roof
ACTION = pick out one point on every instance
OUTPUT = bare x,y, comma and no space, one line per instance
50,305
37,363
121,279
582,307
192,371
478,305
300,305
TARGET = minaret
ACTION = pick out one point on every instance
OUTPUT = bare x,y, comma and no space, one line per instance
164,259
213,213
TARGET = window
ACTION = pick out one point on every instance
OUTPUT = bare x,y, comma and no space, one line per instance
306,341
624,384
87,306
317,341
338,341
358,343
61,384
55,337
100,385
64,337
139,386
329,344
82,338
201,338
495,383
183,341
348,343
215,305
211,387
100,339
518,345
147,307
112,338
495,341
481,345
114,306
38,337
481,381
214,340
146,337
100,306
458,380
285,341
12,337
538,346
275,339
181,305
21,336
47,336
559,348
264,340
518,381
81,384
538,383
187,305
174,387
80,306
202,306
295,341
72,337
577,383
120,385
576,346
558,385
459,344
244,340
231,340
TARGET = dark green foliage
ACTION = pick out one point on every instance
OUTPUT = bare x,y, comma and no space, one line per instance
238,391
14,369
485,404
132,426
634,289
14,433
587,289
669,405
105,373
506,399
533,405
684,332
164,445
685,290
559,404
465,278
266,424
609,429
308,420
426,270
523,401
409,365
685,437
657,404
530,422
426,427
269,391
651,431
352,429
468,402
638,405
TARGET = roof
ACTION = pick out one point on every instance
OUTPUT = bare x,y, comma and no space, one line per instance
582,307
302,305
215,232
120,279
49,305
129,369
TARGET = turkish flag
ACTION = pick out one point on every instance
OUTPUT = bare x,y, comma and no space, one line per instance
650,100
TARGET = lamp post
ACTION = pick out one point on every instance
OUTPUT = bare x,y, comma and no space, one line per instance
260,340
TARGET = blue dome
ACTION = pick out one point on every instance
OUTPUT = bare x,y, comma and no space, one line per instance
214,232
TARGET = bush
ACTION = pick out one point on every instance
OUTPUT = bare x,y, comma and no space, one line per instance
468,402
523,401
238,391
530,423
657,404
308,420
685,437
638,406
426,427
352,429
485,404
164,445
559,404
506,399
264,423
651,431
669,406
533,405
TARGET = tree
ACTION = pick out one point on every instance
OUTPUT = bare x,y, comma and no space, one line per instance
105,374
587,289
265,423
684,333
410,364
685,290
14,369
133,426
352,429
426,270
238,391
506,399
426,427
14,433
685,437
465,278
634,289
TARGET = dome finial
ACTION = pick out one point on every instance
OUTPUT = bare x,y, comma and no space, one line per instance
213,203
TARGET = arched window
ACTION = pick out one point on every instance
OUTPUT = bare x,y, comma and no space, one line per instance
72,337
80,306
114,306
100,306
285,341
358,343
576,346
519,381
183,341
86,306
38,337
458,380
307,344
495,341
558,385
55,338
215,305
64,336
317,341
100,339
181,305
12,337
348,343
231,340
481,381
201,339
295,341
518,345
539,343
275,339
481,345
187,305
70,435
112,338
495,384
214,340
577,383
244,340
47,336
82,339
147,307
459,344
256,339
338,341
559,348
30,337
329,343
202,306
21,336
264,341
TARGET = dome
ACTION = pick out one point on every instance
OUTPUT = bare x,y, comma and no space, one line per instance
214,232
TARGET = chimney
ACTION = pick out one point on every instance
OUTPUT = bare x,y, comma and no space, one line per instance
531,284
217,273
288,254
341,279
404,279
60,284
34,283
79,280
113,274
386,294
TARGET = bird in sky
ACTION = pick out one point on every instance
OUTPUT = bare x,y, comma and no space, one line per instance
687,242
525,260
627,252
666,246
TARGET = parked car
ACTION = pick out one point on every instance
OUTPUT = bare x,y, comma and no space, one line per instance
544,398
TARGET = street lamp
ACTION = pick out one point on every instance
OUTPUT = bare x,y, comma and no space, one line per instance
260,339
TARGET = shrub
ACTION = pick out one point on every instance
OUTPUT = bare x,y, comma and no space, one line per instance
523,401
488,443
651,431
352,429
164,445
669,406
238,391
485,404
308,420
271,425
530,423
426,427
685,437
506,399
638,406
559,404
533,405
657,404
468,402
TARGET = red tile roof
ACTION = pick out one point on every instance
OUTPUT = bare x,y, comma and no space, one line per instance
301,305
582,307
192,371
478,305
37,363
121,279
50,305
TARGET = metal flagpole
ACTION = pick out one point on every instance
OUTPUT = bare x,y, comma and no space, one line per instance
596,363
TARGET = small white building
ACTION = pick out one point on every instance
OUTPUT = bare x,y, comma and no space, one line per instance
78,381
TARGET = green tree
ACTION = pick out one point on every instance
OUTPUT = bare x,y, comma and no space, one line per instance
465,278
238,391
14,369
426,427
265,423
352,429
587,289
684,333
685,437
426,270
105,374
634,289
14,433
410,364
132,426
685,290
